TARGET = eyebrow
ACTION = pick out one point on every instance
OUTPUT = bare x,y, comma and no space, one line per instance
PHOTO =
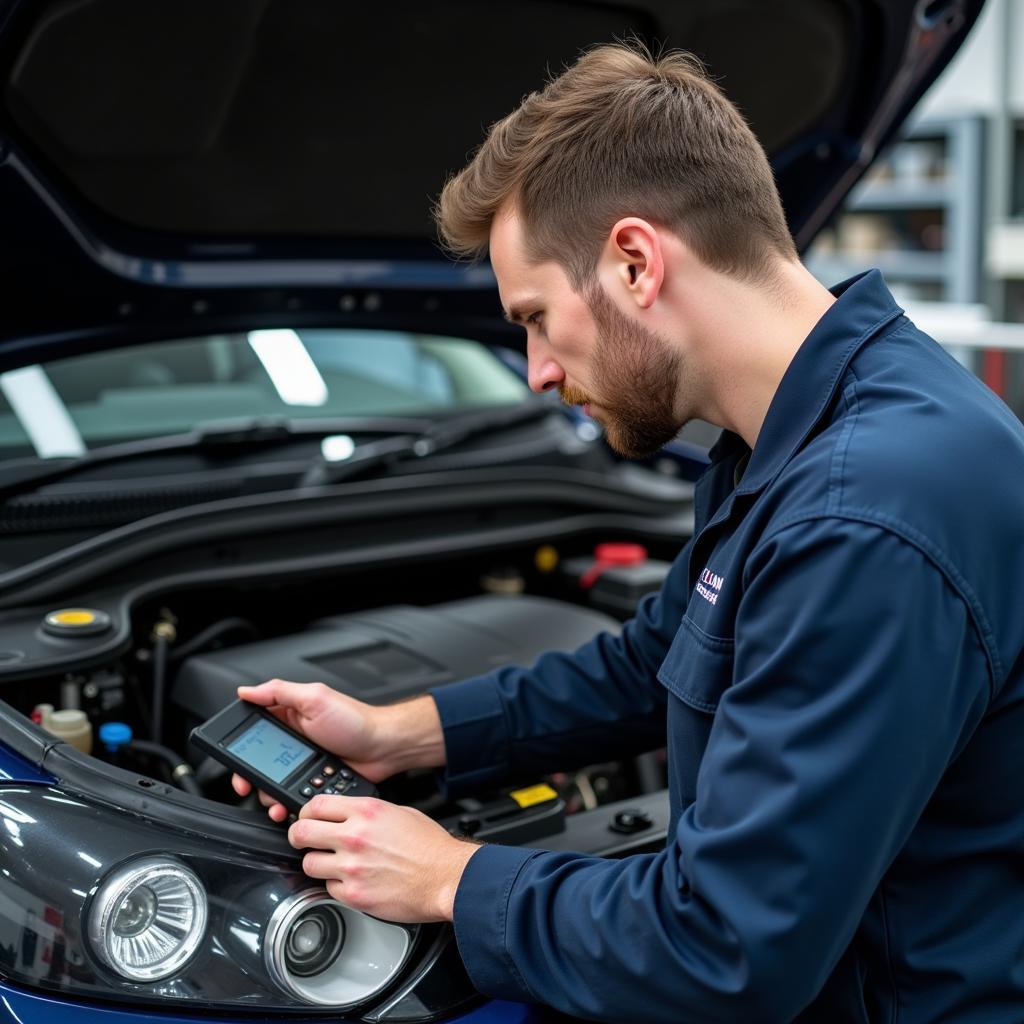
518,313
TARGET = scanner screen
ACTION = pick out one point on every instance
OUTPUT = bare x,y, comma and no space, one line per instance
270,750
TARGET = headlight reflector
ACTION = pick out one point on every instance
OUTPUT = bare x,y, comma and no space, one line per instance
314,941
147,919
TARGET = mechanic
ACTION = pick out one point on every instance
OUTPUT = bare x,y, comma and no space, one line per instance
834,661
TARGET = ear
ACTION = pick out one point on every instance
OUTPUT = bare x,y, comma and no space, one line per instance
634,260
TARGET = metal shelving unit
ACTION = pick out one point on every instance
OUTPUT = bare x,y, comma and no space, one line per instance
955,270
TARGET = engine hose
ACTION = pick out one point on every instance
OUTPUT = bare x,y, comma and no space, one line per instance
181,773
159,681
211,633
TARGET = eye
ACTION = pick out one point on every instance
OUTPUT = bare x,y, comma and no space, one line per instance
535,319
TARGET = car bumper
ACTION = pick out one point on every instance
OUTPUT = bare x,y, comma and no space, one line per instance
20,1006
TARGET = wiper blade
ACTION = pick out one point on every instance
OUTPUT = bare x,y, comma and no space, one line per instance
407,437
25,475
367,458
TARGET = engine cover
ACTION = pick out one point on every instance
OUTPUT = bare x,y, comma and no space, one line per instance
383,655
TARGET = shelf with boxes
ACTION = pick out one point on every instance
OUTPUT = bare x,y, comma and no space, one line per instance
916,216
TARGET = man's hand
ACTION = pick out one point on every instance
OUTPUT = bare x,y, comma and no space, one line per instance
377,742
389,861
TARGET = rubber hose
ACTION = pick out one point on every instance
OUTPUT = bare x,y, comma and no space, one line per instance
181,772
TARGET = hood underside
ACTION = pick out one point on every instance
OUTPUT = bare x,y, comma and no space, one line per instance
257,149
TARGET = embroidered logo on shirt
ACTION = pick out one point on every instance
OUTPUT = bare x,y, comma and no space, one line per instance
709,585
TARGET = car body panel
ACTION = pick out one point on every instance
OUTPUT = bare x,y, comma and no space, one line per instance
16,769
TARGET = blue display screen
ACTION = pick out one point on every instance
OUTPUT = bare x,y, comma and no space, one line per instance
270,750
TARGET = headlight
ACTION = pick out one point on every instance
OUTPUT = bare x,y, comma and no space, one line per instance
327,954
148,918
88,910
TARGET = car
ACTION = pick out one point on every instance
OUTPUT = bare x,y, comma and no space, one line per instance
254,422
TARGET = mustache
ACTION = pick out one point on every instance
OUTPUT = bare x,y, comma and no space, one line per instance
572,395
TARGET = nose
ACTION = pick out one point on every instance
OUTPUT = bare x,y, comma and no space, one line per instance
544,373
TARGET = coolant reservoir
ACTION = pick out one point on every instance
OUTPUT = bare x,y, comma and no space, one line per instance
69,725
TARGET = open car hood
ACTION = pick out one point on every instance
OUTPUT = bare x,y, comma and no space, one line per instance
181,165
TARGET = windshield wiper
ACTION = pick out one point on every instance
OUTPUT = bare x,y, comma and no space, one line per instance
416,435
374,455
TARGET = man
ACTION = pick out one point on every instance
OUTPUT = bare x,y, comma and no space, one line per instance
835,657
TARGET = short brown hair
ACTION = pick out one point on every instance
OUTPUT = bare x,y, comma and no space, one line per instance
622,133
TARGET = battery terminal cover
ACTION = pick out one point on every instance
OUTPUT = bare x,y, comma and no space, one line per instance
533,795
616,576
516,816
607,556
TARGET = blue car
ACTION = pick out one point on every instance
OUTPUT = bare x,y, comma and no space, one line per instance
253,423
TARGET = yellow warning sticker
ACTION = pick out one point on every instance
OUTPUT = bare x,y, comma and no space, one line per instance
533,795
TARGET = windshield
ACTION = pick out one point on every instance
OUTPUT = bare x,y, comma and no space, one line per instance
68,406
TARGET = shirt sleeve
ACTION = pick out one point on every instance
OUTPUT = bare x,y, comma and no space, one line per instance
858,675
569,709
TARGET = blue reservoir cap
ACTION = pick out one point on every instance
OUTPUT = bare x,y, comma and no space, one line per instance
114,735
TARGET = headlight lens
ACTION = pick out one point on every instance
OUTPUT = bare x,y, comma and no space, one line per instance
314,941
148,918
326,954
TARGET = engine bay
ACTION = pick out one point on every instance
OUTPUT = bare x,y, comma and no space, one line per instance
104,789
139,682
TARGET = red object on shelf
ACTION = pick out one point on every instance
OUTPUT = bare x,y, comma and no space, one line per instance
993,370
608,555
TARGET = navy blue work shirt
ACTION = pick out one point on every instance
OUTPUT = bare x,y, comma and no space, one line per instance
835,664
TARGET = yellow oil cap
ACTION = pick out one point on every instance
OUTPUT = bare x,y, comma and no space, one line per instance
545,558
76,622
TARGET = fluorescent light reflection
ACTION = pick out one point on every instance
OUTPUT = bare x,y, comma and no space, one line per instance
247,937
12,813
64,800
289,366
15,830
337,447
41,413
10,1010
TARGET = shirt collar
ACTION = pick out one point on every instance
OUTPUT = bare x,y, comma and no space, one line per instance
862,308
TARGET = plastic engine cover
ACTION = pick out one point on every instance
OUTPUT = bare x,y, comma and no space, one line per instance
389,653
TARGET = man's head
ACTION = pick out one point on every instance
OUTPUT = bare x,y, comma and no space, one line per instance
621,156
621,133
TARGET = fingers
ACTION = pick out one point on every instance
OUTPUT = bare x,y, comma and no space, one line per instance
243,787
300,696
316,835
331,808
264,694
321,864
278,812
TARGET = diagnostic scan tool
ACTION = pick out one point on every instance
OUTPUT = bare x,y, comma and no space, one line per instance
256,745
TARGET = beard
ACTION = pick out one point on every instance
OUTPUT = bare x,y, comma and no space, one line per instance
636,375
